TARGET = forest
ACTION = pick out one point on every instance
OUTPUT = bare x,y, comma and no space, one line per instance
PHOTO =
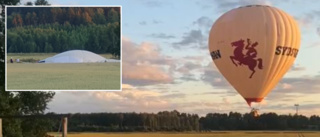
58,29
176,121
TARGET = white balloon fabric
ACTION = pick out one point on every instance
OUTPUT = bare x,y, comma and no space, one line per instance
77,56
253,47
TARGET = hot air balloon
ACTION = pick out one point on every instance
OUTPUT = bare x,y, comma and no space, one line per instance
253,47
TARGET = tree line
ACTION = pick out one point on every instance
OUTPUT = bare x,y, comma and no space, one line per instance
22,16
58,38
20,103
45,30
266,121
129,122
176,121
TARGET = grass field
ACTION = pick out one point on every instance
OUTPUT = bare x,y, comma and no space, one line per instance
61,76
211,134
40,56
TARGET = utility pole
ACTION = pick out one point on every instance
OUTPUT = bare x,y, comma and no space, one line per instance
65,126
1,128
297,108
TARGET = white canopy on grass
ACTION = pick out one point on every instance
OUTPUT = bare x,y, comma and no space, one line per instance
77,56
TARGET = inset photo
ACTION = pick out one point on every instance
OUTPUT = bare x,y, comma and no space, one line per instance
63,48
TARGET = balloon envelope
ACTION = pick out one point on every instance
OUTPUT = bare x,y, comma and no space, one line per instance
253,47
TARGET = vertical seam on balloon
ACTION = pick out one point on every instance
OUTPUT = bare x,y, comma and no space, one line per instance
297,35
220,18
280,23
265,10
272,61
264,44
236,87
283,59
290,59
286,59
294,42
232,33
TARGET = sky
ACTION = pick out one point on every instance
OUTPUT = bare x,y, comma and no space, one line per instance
167,66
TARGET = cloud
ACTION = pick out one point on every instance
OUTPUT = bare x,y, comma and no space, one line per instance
222,105
153,3
156,21
303,85
293,89
213,77
189,66
212,93
197,37
226,101
286,86
226,5
51,2
133,99
144,75
288,89
318,31
306,20
312,45
204,22
188,77
161,36
195,58
144,53
143,23
234,4
192,37
130,99
191,63
23,2
174,95
144,64
296,67
282,108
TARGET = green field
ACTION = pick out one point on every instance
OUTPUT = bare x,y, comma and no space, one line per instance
207,134
61,76
40,56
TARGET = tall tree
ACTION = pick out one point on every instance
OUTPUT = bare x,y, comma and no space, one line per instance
86,17
34,18
9,104
29,3
113,16
28,18
41,2
17,103
17,20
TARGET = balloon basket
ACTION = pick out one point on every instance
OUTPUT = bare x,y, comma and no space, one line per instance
255,112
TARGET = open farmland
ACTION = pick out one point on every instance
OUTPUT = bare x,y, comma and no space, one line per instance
61,76
211,134
40,56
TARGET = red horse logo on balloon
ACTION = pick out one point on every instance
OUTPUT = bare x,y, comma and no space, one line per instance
249,58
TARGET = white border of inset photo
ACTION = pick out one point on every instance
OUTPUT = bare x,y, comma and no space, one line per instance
64,6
